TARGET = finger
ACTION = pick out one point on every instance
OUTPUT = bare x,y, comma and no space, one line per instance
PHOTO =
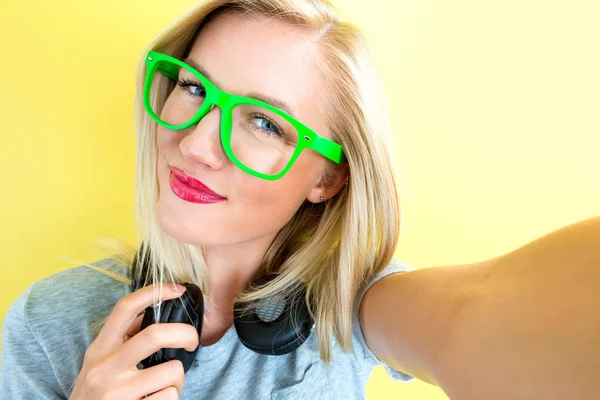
177,335
169,393
135,327
127,310
159,377
151,380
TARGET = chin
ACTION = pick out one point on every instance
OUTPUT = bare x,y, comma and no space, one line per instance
178,224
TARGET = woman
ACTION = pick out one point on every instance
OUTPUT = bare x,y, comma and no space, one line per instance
290,179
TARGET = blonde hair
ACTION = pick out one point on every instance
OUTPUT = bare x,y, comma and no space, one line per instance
334,247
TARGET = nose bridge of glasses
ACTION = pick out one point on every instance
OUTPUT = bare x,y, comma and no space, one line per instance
220,99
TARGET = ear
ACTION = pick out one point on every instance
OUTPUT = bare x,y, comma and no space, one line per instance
332,181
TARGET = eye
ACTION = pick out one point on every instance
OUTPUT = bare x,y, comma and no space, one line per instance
194,89
266,124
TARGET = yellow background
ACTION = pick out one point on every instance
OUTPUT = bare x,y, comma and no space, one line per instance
495,106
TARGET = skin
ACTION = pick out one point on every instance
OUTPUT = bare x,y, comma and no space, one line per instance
520,326
243,54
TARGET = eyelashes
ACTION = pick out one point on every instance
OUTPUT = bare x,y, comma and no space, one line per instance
275,129
185,83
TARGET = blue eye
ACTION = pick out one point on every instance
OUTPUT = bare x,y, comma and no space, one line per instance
195,88
198,91
266,124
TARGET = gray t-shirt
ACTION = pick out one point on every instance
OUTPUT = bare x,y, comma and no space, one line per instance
48,328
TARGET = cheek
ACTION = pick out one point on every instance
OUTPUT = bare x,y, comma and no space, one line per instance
266,206
167,147
165,139
283,196
167,143
274,202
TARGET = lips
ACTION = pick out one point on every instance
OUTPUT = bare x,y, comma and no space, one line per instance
194,183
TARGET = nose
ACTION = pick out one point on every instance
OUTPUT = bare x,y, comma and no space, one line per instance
203,143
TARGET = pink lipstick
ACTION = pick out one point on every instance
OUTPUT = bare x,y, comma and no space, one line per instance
191,189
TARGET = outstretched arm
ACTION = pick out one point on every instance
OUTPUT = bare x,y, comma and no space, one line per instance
525,325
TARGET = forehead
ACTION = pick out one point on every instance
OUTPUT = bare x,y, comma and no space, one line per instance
252,54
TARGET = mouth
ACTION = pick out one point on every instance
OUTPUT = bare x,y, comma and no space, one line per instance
191,189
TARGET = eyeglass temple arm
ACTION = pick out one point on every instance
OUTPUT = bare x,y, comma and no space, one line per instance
329,149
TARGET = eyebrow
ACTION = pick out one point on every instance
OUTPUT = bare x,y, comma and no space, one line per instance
257,96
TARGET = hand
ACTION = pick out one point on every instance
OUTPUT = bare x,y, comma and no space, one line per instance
109,368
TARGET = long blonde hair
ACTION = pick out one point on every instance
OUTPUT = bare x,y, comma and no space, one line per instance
334,247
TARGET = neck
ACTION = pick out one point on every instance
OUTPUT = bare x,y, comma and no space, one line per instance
231,269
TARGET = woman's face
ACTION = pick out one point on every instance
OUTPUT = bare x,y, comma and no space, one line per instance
243,55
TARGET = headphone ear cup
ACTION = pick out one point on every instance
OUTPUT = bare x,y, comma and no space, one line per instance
157,357
279,336
189,310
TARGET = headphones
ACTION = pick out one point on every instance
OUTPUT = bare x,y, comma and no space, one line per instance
277,327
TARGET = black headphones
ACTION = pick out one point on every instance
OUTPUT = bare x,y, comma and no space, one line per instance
276,328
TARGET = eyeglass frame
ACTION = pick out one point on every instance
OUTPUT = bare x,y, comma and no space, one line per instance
307,138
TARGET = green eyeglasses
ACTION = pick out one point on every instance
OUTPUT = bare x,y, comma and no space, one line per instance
258,138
